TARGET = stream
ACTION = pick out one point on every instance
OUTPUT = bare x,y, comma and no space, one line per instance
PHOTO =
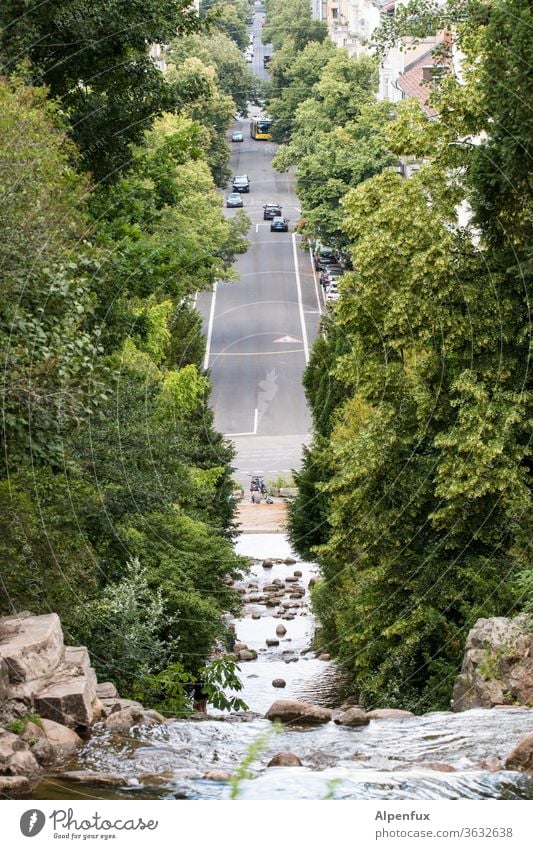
439,755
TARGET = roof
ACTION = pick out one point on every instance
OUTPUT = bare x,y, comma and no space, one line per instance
412,81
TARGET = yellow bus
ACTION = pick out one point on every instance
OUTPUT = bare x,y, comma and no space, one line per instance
260,128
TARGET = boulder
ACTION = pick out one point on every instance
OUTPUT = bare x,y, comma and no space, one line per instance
239,647
491,764
267,564
522,755
256,616
291,579
312,582
31,647
289,561
497,665
217,775
16,757
279,683
352,717
297,573
110,706
102,779
68,702
299,713
15,785
122,720
272,642
247,654
62,739
324,656
285,759
389,713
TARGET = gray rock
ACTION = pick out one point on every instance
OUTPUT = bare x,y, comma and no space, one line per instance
299,713
110,706
256,616
279,683
217,775
106,690
389,713
352,717
324,656
272,642
101,779
15,785
289,561
497,665
267,564
68,702
285,759
123,720
247,654
297,573
291,579
31,646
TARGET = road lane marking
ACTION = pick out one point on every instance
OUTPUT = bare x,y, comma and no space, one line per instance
287,339
210,326
248,432
300,302
257,353
316,285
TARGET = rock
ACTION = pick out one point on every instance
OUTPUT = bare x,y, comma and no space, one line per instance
217,775
271,602
63,740
389,713
43,751
297,573
15,785
32,732
155,715
239,647
289,561
285,759
522,755
300,713
291,579
312,582
68,702
102,779
256,616
32,647
16,757
324,656
122,720
272,642
491,764
352,717
279,682
438,767
110,706
247,654
267,564
497,665
350,701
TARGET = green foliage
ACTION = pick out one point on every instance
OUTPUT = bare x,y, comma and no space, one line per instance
291,21
93,57
169,692
243,771
18,726
420,393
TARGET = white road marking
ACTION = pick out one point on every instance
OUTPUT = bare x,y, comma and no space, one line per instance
316,283
210,326
300,302
248,432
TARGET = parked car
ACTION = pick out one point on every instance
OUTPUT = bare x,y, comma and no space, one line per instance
241,183
234,199
330,273
279,224
271,210
332,293
324,257
237,137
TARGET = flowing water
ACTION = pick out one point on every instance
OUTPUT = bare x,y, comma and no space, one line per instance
436,756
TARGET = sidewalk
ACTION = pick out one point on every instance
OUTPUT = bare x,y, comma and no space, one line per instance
262,518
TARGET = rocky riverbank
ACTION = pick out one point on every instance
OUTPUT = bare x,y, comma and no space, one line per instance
54,714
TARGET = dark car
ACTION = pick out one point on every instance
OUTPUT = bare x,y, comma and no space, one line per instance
271,210
324,257
234,199
237,137
241,183
279,224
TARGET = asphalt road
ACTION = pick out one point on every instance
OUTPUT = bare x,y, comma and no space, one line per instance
260,329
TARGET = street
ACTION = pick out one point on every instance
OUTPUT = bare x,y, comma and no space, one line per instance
260,329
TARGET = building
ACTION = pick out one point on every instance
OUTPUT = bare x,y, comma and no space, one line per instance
351,24
319,10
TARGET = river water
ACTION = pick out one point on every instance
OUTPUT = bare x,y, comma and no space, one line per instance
435,756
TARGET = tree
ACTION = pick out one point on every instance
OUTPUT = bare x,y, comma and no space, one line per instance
292,21
94,59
